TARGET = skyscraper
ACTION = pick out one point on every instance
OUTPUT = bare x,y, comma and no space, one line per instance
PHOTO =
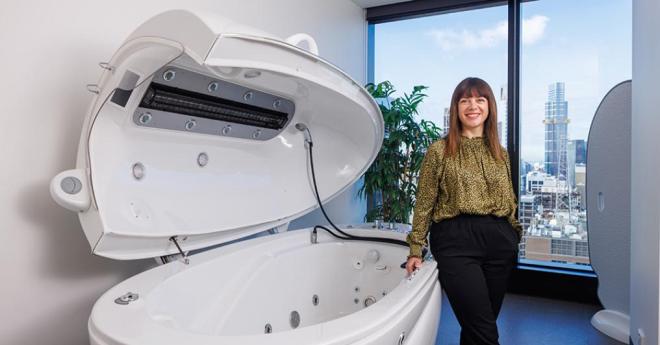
527,210
525,167
502,117
577,155
445,122
556,132
580,151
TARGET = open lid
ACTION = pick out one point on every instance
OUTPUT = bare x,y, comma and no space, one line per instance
192,134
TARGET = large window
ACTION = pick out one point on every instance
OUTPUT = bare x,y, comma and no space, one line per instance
572,54
440,51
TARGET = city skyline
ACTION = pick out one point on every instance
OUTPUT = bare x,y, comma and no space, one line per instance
552,206
557,46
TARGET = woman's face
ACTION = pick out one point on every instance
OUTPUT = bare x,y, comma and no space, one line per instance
473,112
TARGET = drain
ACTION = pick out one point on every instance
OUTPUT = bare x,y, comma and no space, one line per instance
369,301
315,300
268,329
294,319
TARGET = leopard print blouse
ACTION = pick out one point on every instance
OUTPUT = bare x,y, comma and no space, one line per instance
470,182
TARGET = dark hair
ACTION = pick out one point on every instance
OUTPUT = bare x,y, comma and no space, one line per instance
473,87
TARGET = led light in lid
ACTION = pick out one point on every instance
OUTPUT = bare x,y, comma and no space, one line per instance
251,74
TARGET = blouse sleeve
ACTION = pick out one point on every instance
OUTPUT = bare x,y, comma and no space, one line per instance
427,194
514,207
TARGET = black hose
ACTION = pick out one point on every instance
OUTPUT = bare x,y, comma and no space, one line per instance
347,236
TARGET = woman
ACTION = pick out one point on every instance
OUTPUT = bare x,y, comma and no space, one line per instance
466,200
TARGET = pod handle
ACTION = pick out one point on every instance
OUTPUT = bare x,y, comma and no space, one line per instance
296,39
69,189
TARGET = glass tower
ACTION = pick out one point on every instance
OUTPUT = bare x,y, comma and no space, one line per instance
556,132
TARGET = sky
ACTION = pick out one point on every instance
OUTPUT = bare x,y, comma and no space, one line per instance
587,44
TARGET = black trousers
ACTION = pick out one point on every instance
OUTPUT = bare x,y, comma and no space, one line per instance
475,256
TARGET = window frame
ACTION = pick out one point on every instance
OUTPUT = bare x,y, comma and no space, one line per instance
580,278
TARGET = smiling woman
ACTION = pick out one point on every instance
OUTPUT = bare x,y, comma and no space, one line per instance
465,200
472,111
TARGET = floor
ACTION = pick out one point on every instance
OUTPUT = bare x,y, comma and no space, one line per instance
534,320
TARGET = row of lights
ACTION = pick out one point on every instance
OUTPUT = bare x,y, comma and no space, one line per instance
189,125
138,169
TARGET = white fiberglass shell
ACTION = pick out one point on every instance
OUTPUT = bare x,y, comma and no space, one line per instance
138,184
230,295
141,185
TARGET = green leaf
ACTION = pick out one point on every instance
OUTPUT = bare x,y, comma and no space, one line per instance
392,178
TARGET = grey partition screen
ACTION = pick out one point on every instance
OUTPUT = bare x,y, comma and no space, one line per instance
608,207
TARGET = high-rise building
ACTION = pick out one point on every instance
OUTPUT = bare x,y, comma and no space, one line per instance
550,191
534,181
556,249
445,122
570,154
580,184
502,115
580,151
556,132
527,210
577,154
525,167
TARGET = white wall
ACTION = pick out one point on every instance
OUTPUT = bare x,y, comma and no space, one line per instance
50,50
645,162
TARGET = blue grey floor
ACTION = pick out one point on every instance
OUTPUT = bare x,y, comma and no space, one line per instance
533,320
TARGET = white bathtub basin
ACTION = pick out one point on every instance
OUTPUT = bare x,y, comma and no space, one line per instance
228,295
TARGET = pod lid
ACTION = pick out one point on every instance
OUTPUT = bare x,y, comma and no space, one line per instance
193,135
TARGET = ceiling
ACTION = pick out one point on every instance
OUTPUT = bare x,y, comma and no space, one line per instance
374,3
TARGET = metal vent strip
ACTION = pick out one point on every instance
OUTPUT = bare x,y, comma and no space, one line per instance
190,101
174,100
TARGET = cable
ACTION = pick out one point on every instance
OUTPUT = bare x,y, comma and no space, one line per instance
310,144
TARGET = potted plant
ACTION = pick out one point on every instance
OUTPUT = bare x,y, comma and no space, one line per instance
391,181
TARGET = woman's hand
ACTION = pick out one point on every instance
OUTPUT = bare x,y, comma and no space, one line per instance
413,263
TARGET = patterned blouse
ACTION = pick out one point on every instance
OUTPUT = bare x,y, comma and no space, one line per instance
470,182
